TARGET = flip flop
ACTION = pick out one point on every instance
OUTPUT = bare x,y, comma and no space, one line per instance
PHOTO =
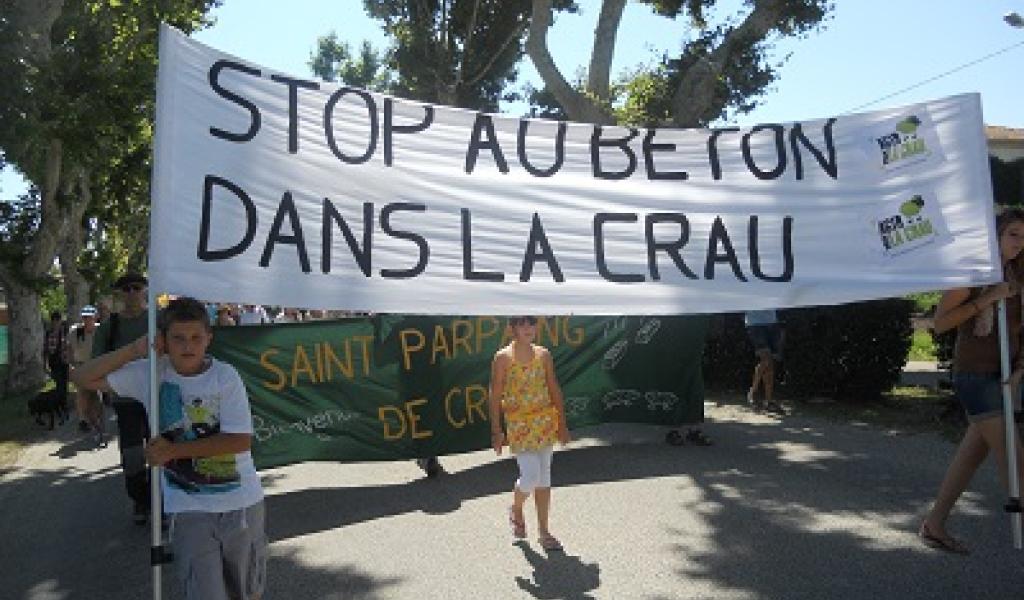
518,527
697,437
946,544
550,543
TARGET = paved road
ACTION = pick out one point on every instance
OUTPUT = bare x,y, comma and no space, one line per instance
786,507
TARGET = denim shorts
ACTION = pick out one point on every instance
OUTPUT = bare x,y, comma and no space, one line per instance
981,395
766,337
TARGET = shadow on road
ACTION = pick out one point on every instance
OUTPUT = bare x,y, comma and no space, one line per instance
780,502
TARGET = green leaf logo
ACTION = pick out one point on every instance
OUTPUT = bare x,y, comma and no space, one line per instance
909,125
912,207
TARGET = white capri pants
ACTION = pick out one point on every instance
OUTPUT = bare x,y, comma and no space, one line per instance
534,469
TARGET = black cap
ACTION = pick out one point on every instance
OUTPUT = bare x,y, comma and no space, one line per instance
128,279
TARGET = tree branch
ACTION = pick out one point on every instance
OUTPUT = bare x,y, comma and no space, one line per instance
43,248
694,97
468,44
576,105
599,72
514,35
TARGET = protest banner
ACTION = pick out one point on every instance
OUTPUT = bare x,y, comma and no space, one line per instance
326,196
391,387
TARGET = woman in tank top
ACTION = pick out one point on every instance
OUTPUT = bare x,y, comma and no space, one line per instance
976,376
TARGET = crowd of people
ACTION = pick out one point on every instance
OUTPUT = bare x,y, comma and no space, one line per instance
211,491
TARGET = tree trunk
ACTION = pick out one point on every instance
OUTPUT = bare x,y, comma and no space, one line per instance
25,334
25,371
579,107
76,288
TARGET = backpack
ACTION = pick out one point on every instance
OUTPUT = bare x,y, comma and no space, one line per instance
115,319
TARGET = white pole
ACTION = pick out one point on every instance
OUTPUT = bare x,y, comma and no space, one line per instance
156,549
1011,434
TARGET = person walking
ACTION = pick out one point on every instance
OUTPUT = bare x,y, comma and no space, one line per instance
766,338
525,391
87,402
977,378
55,355
120,329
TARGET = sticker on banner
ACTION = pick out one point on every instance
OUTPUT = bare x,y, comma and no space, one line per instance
909,223
908,140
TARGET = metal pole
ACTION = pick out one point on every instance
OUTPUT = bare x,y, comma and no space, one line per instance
1011,434
156,554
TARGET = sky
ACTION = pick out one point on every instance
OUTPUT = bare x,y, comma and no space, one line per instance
867,50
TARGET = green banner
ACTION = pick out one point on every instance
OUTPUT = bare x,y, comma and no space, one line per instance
392,387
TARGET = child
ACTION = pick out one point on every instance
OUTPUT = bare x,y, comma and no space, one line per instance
210,486
523,384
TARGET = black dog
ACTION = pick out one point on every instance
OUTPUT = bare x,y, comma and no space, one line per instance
48,403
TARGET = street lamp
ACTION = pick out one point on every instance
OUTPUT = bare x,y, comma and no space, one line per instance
1014,20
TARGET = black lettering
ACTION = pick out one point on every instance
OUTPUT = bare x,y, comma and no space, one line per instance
293,106
286,209
390,127
362,256
602,266
254,113
467,255
671,248
787,251
421,243
371,110
539,238
484,124
716,166
559,151
780,150
204,253
649,149
596,143
828,164
719,235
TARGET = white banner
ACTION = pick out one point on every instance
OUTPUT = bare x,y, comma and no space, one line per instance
280,190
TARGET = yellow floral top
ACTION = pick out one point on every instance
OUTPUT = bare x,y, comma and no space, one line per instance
531,420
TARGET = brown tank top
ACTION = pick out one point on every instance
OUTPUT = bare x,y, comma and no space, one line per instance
980,354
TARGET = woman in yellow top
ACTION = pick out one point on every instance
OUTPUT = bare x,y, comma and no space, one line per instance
525,390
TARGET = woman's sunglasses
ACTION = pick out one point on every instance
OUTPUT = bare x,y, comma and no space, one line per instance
133,287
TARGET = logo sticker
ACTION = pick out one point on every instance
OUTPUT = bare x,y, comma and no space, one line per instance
907,225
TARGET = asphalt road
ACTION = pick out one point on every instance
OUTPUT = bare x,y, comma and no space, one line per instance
781,507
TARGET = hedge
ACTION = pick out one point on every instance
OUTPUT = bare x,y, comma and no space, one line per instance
853,351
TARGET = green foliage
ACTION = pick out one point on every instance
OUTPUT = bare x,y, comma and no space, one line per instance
1007,181
853,351
740,56
925,302
922,347
333,60
51,299
457,52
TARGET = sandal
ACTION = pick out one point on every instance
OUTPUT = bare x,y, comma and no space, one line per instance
697,437
674,438
550,543
518,527
944,543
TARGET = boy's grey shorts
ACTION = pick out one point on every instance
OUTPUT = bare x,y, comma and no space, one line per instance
221,556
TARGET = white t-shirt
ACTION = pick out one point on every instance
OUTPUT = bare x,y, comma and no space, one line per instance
256,316
193,407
